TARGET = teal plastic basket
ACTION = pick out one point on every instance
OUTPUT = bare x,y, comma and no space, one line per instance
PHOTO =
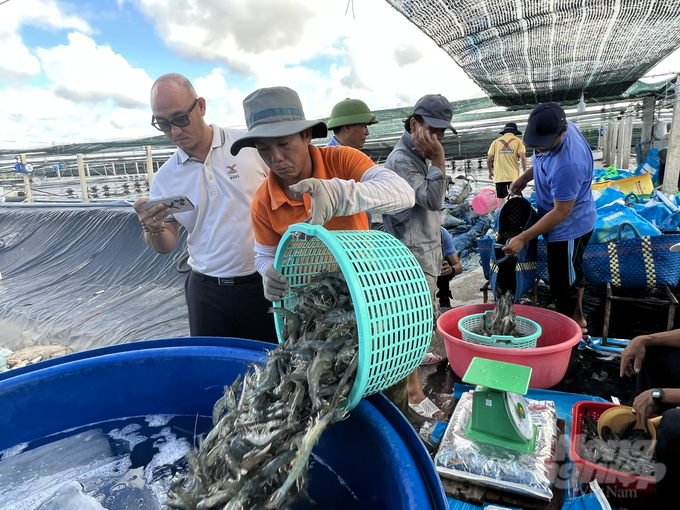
390,294
528,328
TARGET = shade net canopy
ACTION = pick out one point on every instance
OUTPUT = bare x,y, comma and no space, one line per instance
524,52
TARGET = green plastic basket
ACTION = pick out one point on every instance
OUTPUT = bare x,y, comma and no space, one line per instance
390,294
528,328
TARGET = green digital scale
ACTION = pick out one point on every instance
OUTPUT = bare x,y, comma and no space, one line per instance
500,414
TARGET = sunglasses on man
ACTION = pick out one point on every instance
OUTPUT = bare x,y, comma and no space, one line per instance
181,121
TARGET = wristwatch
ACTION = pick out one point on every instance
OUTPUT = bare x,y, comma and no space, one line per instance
657,395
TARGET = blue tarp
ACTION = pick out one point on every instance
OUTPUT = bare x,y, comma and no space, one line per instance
465,236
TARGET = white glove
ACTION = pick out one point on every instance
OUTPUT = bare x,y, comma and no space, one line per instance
322,206
275,284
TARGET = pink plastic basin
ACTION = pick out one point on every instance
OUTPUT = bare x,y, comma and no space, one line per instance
549,360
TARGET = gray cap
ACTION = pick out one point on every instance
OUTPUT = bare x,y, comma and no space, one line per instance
436,110
272,113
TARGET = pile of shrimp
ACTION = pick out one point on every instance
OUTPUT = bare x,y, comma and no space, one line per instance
256,455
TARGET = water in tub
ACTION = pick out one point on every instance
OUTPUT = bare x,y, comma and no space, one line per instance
114,465
122,464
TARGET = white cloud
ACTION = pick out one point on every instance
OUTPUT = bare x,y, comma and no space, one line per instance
387,63
32,116
235,32
85,72
405,55
385,56
16,61
224,104
211,86
93,93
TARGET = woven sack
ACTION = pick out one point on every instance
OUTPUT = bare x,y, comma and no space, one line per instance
542,260
638,263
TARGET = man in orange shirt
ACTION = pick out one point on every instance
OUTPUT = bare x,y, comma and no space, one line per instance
335,184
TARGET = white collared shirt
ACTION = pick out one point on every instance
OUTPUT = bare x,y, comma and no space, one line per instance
220,235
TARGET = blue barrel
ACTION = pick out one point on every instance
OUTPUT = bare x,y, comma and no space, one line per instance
375,451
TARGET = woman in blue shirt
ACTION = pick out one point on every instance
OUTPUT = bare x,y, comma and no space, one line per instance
562,175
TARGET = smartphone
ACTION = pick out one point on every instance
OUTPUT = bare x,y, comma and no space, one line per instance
177,204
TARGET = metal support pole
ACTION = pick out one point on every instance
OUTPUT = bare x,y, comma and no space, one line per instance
627,142
27,181
619,142
149,163
137,167
605,147
670,180
83,180
613,135
648,104
605,144
113,167
600,137
87,166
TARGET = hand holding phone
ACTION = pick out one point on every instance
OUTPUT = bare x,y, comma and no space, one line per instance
176,204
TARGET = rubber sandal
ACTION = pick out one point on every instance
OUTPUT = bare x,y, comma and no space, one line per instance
426,409
430,359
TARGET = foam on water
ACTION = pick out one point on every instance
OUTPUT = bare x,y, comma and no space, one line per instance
129,435
106,467
118,465
158,420
14,450
171,449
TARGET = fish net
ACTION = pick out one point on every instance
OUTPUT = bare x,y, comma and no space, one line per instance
523,52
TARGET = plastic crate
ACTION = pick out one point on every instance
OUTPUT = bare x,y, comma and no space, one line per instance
629,488
389,291
528,328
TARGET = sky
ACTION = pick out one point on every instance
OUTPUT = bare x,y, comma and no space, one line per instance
79,71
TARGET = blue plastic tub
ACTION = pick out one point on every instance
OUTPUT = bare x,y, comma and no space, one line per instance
375,451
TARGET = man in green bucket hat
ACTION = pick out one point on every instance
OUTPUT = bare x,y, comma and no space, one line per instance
349,122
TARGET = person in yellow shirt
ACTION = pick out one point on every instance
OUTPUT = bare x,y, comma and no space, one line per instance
503,157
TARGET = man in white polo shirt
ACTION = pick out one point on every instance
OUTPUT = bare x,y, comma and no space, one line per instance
224,292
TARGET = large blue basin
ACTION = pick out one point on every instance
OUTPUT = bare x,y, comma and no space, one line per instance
375,451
